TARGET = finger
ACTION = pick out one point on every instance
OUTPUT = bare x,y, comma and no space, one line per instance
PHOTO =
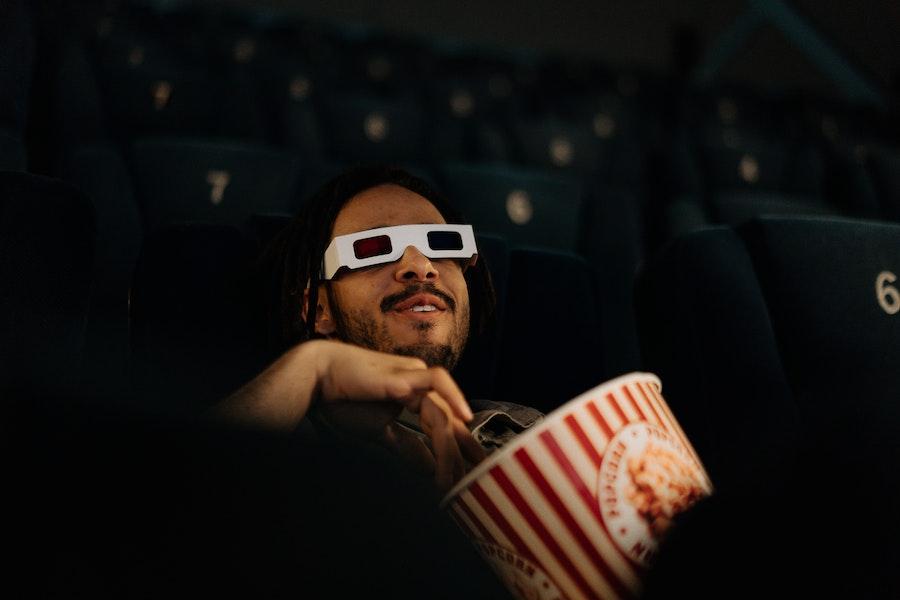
444,385
436,420
471,450
409,363
409,385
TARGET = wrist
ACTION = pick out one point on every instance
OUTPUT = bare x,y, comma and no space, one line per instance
316,355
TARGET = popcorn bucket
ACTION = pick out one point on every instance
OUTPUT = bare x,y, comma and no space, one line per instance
576,506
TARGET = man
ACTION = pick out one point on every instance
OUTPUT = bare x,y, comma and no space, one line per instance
374,278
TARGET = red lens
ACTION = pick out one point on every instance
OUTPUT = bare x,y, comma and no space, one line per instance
373,246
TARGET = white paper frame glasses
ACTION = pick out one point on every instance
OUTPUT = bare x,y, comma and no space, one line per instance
387,244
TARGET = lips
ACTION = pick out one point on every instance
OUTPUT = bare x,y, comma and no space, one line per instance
420,300
418,295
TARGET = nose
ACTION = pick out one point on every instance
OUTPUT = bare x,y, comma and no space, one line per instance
415,266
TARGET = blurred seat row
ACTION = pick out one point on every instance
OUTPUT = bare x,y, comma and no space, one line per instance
170,116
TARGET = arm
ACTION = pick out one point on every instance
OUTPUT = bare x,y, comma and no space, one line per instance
362,391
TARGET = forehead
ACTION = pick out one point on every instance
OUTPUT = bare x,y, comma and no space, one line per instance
383,206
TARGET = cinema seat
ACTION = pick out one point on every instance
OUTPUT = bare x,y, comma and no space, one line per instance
99,171
554,144
18,53
524,206
476,373
551,348
77,107
46,260
778,346
200,180
154,84
12,153
729,110
743,175
581,147
767,330
290,88
613,241
457,115
383,63
884,170
360,127
195,335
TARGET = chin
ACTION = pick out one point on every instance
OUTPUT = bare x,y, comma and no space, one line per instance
434,355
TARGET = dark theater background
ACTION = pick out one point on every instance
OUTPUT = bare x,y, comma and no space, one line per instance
709,191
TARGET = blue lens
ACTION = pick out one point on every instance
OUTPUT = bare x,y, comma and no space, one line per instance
445,240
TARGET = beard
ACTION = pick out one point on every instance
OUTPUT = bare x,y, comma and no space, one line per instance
359,328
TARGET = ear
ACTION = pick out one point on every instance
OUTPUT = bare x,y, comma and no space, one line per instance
324,322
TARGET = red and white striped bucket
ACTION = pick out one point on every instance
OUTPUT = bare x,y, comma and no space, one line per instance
576,506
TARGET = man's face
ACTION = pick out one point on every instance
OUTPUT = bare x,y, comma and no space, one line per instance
375,307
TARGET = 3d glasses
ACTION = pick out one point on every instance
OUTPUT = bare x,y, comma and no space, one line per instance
387,244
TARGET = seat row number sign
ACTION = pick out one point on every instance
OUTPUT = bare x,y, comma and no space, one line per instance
887,294
218,181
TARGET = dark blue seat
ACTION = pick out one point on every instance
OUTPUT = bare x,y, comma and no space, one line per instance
613,241
739,176
582,146
195,332
884,170
155,82
461,125
758,329
778,345
383,63
551,338
477,372
202,180
290,88
554,144
17,61
99,171
524,206
77,109
46,261
360,127
12,153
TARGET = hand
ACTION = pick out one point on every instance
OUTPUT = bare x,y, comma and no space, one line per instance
361,392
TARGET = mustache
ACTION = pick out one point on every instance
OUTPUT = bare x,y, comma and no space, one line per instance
391,301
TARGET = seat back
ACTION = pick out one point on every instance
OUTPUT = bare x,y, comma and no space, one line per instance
782,330
17,61
99,170
180,180
155,83
365,128
476,373
551,349
12,153
613,241
46,259
884,169
778,345
196,334
525,207
830,287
